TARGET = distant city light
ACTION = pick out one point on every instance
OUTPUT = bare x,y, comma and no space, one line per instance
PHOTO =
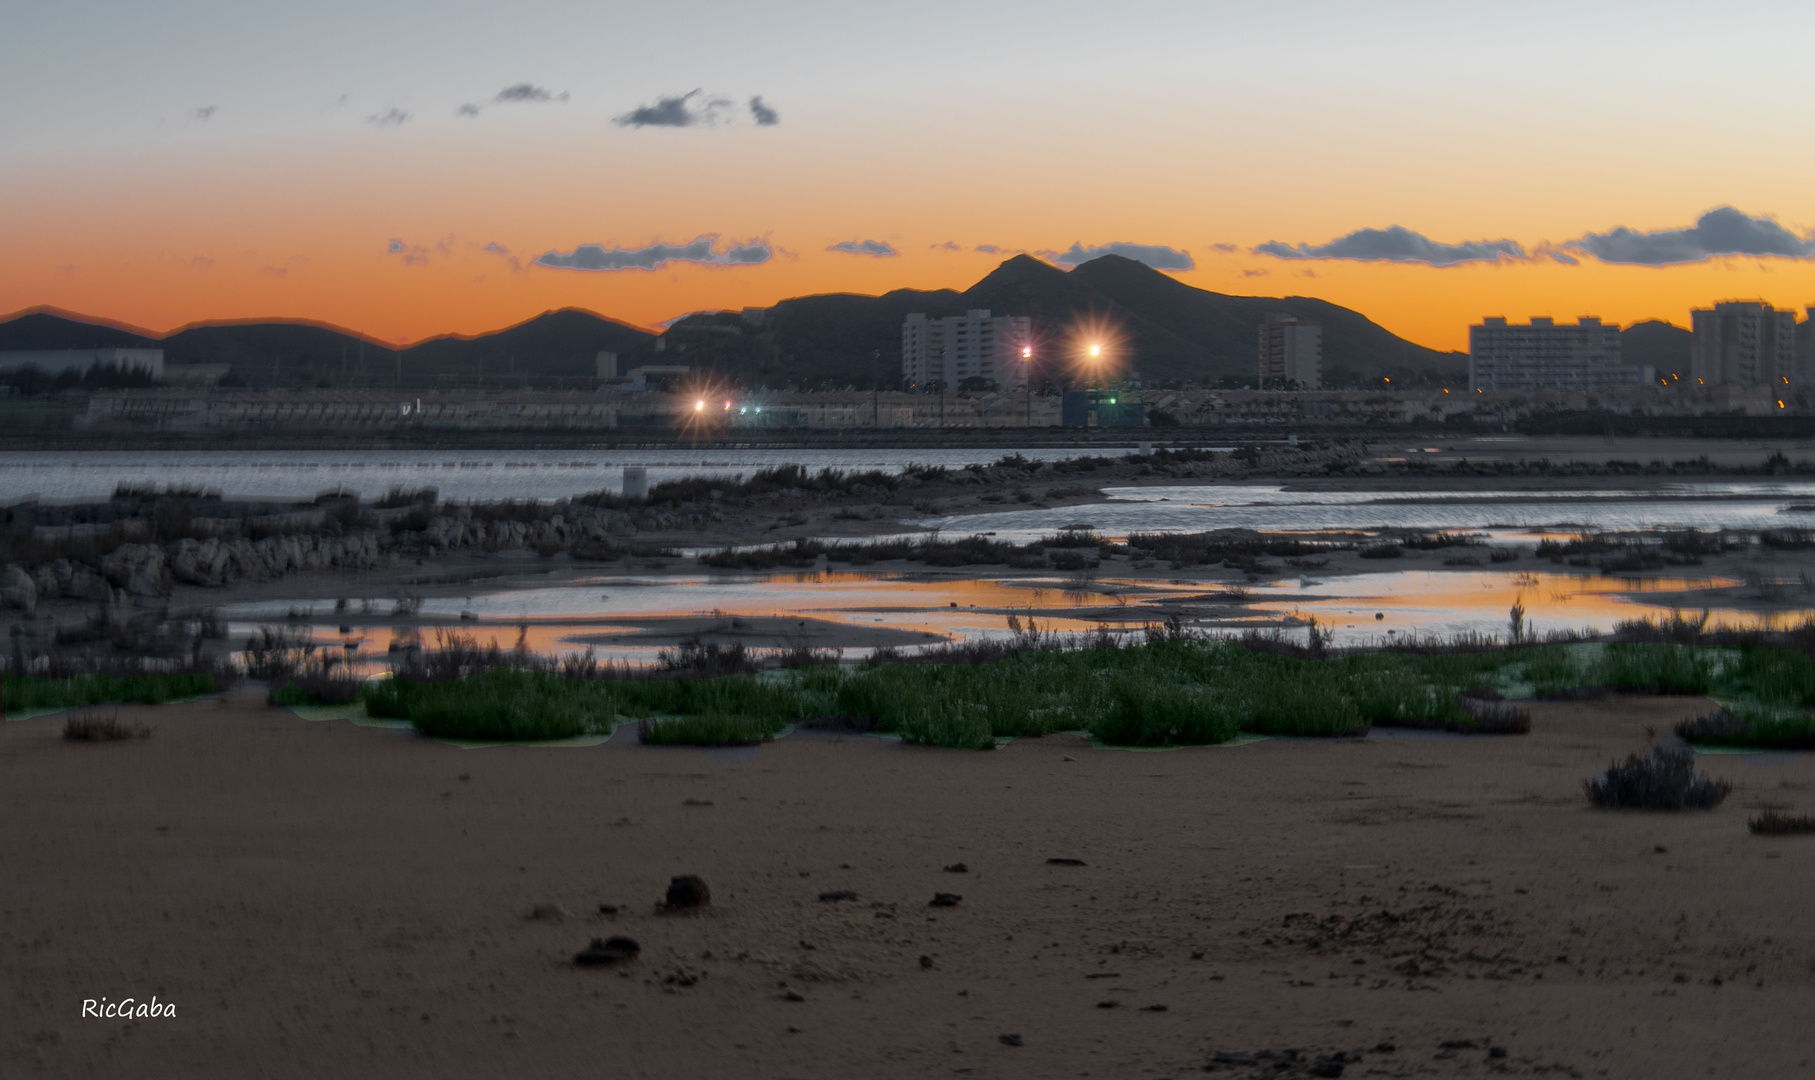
699,406
1096,350
1027,352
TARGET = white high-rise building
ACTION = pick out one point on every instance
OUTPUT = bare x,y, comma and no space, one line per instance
1545,356
1291,351
976,344
1744,343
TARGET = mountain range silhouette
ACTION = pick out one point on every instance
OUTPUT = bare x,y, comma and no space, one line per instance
1167,331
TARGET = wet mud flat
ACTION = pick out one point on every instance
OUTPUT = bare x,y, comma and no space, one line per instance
324,897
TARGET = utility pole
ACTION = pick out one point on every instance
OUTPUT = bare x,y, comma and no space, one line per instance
875,388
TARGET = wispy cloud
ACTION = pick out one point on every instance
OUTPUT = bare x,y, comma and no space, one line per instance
1157,256
864,247
392,117
701,249
467,110
947,246
763,114
413,254
1226,249
1397,244
502,252
205,113
1721,231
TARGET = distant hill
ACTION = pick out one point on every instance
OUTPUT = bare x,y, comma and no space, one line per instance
302,353
47,328
565,342
1170,330
1663,346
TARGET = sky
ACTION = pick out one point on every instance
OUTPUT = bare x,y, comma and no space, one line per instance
410,169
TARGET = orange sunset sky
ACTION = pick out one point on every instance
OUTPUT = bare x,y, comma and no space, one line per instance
399,170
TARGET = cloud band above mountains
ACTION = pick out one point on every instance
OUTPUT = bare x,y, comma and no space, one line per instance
1722,231
701,249
1157,256
1396,244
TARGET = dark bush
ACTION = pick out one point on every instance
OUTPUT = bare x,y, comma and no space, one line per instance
1664,780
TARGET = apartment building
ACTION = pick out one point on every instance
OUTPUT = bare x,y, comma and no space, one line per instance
1744,343
1543,355
1291,353
952,349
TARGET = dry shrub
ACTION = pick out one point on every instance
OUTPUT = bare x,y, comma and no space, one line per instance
95,725
1664,780
1772,823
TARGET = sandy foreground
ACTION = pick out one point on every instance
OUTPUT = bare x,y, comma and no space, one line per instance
325,899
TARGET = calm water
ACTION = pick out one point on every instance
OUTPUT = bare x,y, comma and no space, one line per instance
490,474
1361,608
1270,508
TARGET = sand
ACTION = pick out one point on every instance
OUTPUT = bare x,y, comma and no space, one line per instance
325,899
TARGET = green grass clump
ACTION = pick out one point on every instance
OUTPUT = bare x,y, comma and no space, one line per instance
952,724
25,693
1677,667
716,729
1772,676
500,705
1154,712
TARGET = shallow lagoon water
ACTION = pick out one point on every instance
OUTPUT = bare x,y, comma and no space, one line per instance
1361,608
1272,508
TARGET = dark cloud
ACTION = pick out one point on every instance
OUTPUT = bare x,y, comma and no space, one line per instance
1226,249
1157,256
676,111
1722,231
469,109
1397,244
1254,273
393,117
204,112
522,92
699,250
864,247
763,114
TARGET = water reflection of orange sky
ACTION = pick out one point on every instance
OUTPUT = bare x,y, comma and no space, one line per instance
1411,601
1449,601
